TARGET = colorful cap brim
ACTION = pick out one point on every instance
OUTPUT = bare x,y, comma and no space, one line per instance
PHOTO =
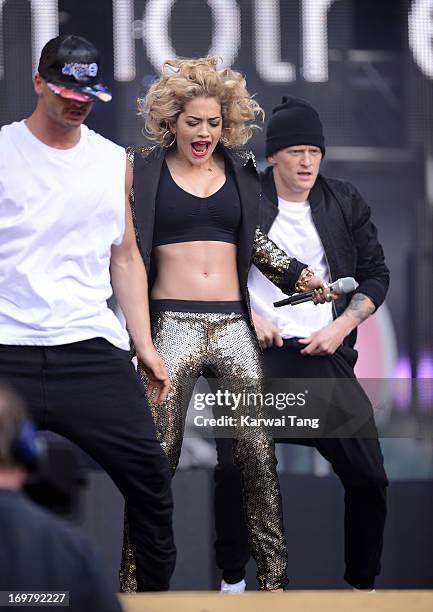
68,93
86,94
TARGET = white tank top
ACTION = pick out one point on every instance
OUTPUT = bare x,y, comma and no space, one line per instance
61,210
293,231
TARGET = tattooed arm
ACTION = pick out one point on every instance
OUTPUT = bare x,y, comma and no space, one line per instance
359,309
325,341
371,273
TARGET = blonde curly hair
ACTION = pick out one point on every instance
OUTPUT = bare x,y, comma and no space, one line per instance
184,79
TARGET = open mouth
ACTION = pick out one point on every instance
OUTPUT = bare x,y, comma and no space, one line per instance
75,113
200,148
304,175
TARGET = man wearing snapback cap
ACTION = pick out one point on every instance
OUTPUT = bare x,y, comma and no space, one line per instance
65,231
326,222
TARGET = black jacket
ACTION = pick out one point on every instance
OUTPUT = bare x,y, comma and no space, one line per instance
349,238
253,246
38,551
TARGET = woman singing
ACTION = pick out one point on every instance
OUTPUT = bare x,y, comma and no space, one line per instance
195,201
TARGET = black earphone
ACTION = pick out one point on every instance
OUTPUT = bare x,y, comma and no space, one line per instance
28,445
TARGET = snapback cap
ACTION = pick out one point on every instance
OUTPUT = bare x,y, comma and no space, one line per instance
70,66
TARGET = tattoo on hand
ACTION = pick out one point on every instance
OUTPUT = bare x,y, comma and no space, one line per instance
360,307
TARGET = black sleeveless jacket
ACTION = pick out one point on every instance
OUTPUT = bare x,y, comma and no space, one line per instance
253,246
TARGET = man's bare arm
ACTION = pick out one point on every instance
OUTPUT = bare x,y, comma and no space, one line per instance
129,280
359,309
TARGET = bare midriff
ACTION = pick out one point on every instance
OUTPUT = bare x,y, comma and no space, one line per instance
199,270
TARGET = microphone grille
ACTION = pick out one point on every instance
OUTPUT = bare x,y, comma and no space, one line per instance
345,285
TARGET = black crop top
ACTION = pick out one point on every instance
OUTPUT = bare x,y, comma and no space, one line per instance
183,217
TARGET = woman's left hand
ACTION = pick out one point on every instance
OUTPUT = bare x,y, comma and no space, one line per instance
322,293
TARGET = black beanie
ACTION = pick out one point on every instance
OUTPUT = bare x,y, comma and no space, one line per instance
293,122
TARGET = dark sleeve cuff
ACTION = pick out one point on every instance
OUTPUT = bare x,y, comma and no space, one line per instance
291,275
375,289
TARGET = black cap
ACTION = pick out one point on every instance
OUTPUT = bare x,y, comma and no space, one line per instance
70,66
294,122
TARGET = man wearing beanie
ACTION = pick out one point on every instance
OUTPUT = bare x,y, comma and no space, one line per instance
326,222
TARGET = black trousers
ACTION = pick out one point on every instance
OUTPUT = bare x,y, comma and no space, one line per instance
89,392
358,462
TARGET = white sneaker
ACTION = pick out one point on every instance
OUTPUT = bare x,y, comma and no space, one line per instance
237,587
364,590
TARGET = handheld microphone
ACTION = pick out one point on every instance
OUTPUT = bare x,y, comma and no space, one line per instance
342,285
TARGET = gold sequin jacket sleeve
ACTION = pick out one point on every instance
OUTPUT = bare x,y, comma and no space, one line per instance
282,270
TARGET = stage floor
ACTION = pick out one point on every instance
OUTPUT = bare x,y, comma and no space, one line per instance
300,601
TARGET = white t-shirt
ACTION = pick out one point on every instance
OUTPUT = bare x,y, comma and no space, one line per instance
61,210
293,231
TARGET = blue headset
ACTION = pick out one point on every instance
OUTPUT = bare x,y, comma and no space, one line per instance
27,446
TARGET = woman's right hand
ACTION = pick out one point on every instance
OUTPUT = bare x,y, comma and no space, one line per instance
156,372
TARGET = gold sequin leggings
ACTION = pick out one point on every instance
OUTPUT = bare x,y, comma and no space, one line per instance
196,338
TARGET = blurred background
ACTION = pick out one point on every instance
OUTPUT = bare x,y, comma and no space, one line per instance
367,67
